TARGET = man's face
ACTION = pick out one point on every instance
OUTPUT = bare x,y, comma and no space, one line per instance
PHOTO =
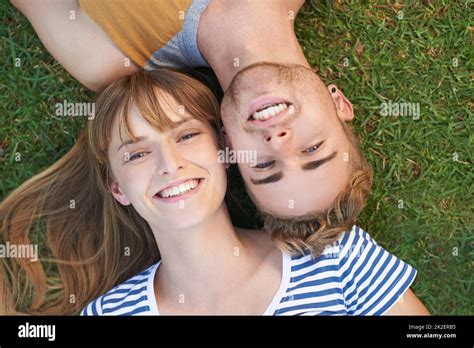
301,148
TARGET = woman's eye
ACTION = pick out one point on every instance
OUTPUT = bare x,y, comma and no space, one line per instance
188,136
136,156
264,165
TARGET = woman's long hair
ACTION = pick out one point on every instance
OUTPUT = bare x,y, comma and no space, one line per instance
87,241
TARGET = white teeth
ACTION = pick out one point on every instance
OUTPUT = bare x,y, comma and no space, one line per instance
179,189
269,111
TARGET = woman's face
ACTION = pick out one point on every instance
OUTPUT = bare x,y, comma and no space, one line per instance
173,179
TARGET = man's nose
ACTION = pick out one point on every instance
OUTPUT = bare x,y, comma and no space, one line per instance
279,139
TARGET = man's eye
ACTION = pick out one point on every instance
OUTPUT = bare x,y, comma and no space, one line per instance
187,136
313,148
264,165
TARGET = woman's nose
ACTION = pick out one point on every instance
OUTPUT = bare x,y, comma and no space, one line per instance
169,161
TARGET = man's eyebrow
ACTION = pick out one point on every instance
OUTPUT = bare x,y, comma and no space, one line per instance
307,166
130,141
272,178
315,164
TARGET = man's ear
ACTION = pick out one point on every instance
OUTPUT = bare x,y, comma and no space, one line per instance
343,106
224,142
225,138
116,191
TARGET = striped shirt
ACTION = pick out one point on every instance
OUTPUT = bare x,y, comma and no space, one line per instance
353,276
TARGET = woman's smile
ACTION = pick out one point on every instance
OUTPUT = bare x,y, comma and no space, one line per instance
181,190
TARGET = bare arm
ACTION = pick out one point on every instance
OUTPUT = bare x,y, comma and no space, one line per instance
76,41
408,305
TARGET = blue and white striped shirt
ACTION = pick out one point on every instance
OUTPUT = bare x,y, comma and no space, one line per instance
353,276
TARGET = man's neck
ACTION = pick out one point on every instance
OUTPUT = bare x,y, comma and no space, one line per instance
236,34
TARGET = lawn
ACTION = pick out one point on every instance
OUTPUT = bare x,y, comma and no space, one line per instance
421,206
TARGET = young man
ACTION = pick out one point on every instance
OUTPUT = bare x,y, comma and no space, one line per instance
310,180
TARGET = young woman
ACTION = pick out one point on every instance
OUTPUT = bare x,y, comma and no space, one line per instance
135,223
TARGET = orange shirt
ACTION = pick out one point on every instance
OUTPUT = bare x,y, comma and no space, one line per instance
138,27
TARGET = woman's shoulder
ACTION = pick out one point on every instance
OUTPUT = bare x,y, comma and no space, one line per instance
354,252
355,238
127,298
354,273
372,278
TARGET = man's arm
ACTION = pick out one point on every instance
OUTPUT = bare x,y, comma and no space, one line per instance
409,304
76,41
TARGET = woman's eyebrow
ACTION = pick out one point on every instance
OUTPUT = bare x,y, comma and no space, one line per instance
131,141
179,123
176,124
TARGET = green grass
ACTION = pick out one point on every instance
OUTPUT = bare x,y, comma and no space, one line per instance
402,60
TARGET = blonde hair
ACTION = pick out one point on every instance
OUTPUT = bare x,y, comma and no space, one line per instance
82,245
